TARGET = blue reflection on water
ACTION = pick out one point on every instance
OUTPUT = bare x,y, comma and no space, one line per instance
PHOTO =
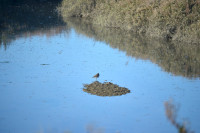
48,98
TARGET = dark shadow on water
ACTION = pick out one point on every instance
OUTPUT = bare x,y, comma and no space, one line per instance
21,17
176,58
4,62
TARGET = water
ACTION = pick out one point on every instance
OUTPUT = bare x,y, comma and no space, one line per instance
42,73
49,98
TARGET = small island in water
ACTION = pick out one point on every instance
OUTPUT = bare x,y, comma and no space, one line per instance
105,89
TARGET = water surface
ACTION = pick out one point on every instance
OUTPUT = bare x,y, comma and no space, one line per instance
43,72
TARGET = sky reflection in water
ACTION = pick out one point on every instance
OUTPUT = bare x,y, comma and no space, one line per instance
49,98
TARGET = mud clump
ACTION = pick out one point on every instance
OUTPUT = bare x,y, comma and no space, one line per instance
105,89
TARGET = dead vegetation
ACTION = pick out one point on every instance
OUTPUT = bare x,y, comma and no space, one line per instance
170,19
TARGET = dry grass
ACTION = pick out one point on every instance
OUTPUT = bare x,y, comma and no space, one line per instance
170,19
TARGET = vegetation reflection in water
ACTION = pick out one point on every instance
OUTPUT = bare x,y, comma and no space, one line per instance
171,110
28,18
178,59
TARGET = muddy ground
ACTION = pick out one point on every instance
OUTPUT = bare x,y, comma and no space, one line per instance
105,89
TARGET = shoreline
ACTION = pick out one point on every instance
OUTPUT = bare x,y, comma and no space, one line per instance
173,20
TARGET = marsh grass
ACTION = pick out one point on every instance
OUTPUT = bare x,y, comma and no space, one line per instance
170,19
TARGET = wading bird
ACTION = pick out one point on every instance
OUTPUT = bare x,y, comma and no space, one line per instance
96,76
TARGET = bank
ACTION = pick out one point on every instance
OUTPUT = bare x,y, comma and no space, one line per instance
172,20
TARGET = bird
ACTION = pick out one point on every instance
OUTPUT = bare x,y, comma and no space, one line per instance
96,76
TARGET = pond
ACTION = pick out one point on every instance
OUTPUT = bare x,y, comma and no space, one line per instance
44,69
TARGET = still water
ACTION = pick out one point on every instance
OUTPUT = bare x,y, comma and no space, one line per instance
43,72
